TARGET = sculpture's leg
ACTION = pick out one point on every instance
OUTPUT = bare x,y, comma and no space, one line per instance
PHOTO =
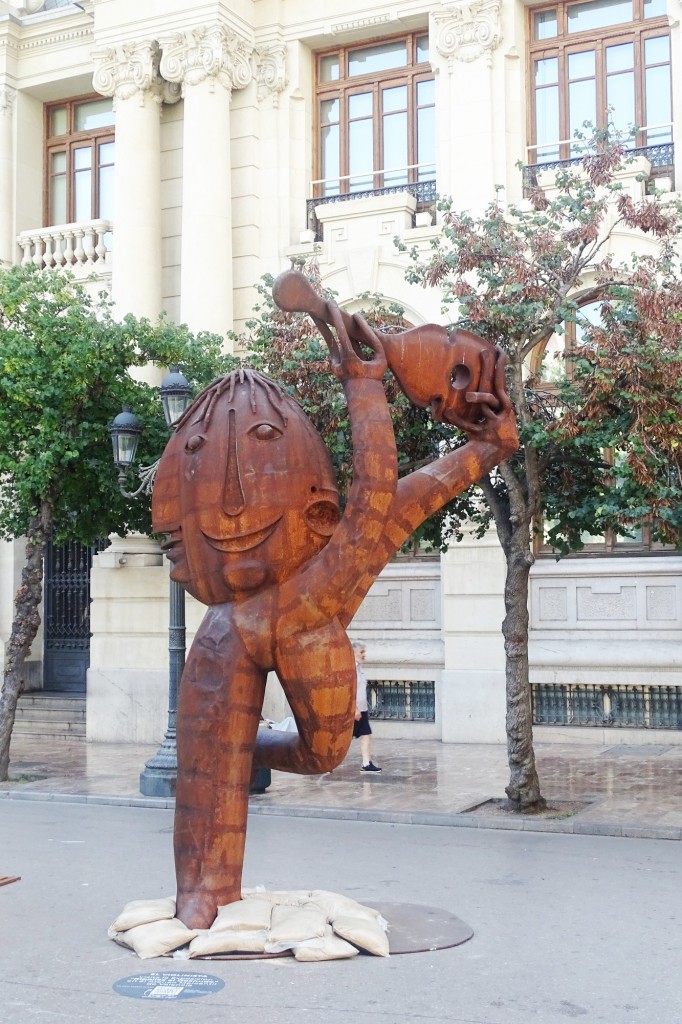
317,672
221,696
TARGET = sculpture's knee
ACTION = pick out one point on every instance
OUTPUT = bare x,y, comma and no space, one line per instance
318,764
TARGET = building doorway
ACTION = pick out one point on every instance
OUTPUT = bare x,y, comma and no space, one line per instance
66,624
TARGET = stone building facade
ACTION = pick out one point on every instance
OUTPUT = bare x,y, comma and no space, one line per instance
176,151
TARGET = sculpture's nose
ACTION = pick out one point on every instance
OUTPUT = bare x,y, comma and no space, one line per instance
233,494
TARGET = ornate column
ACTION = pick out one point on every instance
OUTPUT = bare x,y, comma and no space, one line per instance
463,38
130,73
7,102
208,63
276,143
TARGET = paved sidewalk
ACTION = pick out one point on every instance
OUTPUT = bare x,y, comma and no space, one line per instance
565,927
627,790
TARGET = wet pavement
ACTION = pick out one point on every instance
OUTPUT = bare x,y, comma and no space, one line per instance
565,927
615,790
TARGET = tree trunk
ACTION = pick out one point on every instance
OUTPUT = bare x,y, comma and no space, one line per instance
24,628
524,785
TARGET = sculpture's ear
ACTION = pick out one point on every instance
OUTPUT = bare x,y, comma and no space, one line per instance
322,517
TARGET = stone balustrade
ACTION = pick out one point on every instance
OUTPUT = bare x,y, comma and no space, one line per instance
83,247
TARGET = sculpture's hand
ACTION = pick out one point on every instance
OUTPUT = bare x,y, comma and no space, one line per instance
293,292
346,355
498,424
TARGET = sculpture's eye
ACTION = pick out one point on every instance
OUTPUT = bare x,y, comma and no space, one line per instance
195,442
265,432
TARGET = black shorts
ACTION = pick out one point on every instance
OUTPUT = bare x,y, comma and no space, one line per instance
362,728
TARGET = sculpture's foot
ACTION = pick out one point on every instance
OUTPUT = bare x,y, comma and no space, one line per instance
198,910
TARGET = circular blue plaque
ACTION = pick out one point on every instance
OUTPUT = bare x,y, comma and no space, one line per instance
168,985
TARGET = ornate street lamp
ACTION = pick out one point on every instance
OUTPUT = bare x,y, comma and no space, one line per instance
160,771
125,433
176,394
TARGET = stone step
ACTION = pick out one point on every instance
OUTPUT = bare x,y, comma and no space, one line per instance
51,705
51,715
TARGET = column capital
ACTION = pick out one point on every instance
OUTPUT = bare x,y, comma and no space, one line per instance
467,30
210,53
7,97
271,70
132,69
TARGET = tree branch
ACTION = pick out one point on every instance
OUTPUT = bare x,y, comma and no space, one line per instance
500,511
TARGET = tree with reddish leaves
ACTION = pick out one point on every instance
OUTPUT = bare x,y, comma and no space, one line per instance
601,447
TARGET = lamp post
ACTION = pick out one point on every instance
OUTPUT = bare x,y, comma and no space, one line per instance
160,771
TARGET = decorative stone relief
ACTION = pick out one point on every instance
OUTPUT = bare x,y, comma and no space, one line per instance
132,69
604,607
405,600
553,604
381,607
624,603
361,24
661,603
271,73
422,605
468,30
208,53
7,98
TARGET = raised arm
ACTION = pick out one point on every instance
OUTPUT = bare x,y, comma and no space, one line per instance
426,490
331,577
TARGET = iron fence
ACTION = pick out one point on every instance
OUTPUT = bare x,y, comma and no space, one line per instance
619,707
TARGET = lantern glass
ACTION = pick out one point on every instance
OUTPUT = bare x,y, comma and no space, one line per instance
125,434
176,395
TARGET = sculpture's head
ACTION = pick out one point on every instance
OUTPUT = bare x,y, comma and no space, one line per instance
245,490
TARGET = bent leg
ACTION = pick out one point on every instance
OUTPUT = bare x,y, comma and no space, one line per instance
317,672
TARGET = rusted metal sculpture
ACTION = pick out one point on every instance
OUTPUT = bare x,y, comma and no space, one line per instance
246,495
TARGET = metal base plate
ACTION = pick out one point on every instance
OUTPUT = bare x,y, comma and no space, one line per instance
416,929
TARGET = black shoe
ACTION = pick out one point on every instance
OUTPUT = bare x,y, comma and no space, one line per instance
370,768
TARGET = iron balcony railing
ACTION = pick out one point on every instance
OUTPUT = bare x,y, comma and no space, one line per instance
660,155
329,190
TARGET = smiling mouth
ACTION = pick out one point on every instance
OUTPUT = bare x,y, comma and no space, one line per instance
172,546
244,542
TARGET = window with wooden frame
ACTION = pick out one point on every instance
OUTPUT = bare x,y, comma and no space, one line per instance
375,119
79,161
549,364
605,61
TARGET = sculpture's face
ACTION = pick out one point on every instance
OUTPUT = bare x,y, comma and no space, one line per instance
245,497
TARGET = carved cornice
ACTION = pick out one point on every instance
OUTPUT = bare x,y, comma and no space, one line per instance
271,73
356,24
212,53
7,97
468,30
132,69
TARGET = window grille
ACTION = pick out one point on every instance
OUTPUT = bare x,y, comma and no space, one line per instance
402,700
618,707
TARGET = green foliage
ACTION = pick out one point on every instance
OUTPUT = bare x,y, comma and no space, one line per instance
64,375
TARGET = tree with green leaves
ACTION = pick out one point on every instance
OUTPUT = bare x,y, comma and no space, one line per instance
64,375
601,449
